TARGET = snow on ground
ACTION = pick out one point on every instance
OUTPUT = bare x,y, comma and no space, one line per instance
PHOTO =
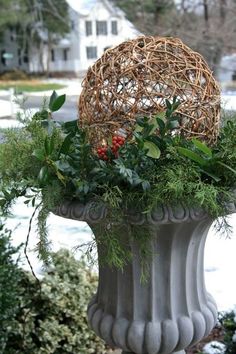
11,109
228,101
220,266
9,123
8,109
63,233
214,347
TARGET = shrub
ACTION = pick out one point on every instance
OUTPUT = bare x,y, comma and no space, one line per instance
15,74
9,281
52,317
228,321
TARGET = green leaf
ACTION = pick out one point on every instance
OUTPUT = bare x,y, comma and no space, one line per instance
175,104
216,178
191,155
57,103
139,140
138,128
146,185
141,122
168,105
161,124
41,115
39,154
226,166
71,126
53,98
202,147
161,115
172,124
109,141
65,147
153,150
43,175
47,145
63,166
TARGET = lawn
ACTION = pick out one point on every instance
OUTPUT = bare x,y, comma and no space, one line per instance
29,86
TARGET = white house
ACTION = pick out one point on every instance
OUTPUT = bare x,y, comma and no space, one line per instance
95,26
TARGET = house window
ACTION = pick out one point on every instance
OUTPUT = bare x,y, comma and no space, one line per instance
19,56
91,52
3,59
114,29
88,28
52,55
65,54
12,34
101,28
26,57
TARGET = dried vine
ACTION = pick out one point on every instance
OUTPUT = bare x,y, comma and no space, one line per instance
136,77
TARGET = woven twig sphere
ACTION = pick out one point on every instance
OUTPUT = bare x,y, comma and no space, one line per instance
135,78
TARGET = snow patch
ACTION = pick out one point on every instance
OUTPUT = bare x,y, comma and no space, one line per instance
214,347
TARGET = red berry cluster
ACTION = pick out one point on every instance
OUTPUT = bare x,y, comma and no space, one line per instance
102,153
117,142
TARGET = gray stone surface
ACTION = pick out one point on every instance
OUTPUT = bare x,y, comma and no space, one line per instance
172,310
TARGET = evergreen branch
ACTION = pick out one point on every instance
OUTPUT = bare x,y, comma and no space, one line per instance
27,242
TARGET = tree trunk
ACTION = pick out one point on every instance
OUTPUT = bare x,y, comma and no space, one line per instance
49,50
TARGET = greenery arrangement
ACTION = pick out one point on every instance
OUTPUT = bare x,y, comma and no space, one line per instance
48,161
51,313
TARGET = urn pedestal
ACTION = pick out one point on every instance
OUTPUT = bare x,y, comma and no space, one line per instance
172,309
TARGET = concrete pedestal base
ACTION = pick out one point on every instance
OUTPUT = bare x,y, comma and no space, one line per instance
172,310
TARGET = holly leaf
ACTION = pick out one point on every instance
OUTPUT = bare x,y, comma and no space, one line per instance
152,150
56,102
71,126
65,147
53,97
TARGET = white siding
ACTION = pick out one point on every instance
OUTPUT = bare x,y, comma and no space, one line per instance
101,13
10,45
76,41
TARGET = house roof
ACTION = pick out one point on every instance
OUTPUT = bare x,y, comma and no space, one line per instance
84,7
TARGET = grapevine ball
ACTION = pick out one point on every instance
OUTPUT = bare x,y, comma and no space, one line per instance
137,77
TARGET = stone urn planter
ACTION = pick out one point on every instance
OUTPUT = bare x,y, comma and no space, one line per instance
170,311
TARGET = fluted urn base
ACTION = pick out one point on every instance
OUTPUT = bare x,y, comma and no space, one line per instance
169,312
172,310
